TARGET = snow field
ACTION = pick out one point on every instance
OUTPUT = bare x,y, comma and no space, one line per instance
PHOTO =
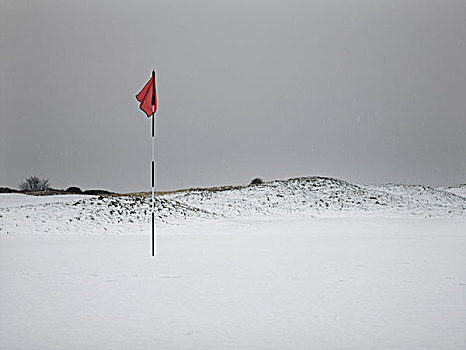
307,263
245,283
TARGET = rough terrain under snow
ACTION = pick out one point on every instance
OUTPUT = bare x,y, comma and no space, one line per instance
308,197
310,263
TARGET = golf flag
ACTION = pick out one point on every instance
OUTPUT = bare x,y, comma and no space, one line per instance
148,97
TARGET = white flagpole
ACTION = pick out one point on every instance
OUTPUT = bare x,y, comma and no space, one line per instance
154,233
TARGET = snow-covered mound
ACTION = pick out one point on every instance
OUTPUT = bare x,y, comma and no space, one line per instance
84,214
319,196
419,199
309,196
459,190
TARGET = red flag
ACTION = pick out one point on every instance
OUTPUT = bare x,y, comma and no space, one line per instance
148,96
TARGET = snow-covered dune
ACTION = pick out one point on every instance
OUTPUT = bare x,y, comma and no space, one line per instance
459,190
319,196
90,215
308,196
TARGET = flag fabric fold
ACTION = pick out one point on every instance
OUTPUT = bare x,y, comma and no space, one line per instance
148,97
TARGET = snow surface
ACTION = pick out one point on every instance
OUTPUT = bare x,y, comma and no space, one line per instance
244,283
308,263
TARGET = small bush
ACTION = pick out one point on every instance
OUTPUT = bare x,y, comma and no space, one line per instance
33,183
74,190
257,181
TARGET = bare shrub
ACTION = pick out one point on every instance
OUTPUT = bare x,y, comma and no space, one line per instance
33,183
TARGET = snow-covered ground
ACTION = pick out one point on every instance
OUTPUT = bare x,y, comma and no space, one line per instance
309,197
308,263
459,190
250,283
14,200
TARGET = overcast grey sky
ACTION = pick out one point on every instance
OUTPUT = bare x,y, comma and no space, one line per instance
368,91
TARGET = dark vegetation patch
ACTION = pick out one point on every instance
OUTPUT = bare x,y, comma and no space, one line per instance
8,190
74,190
53,191
257,181
97,192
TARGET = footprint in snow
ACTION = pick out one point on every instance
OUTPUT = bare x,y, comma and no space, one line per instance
133,275
191,332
